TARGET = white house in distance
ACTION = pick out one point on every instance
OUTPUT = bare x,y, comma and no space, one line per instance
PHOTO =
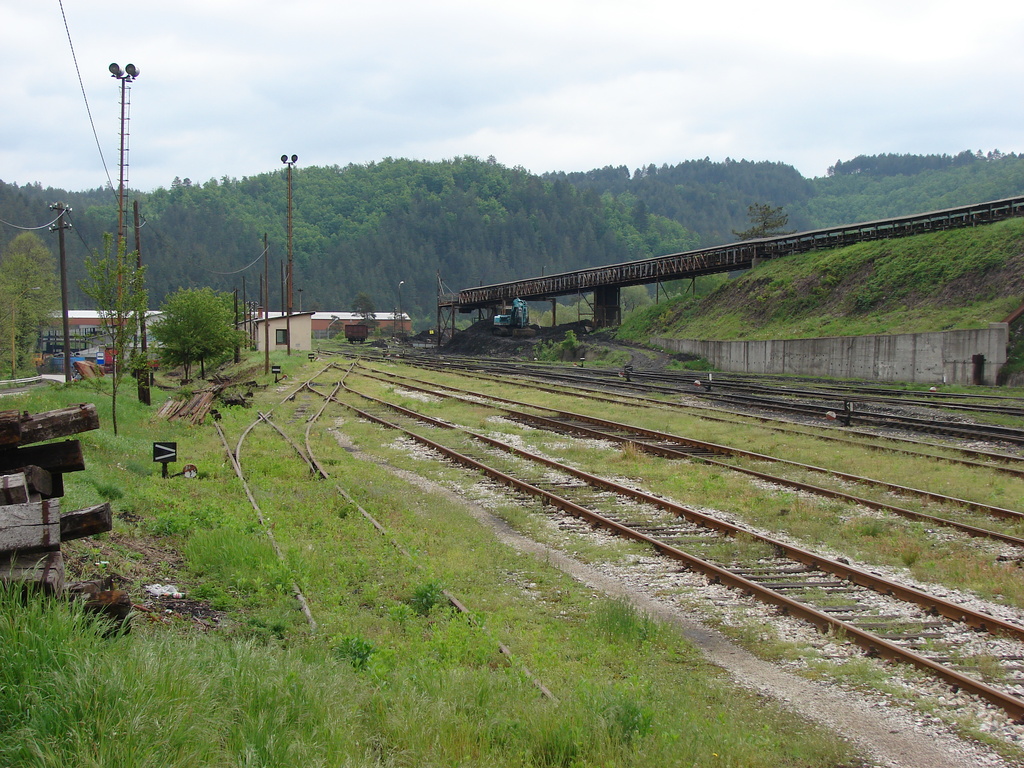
278,326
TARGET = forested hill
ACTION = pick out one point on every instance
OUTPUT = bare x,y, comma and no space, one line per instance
363,228
366,228
712,198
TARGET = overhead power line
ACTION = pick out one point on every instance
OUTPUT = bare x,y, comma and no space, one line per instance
85,98
242,269
41,226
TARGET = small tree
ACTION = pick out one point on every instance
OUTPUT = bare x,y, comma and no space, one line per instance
634,296
196,325
116,284
28,294
363,305
765,221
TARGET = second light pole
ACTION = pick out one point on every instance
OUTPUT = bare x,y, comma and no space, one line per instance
289,161
401,314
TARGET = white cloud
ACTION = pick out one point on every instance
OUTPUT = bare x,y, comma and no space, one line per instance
227,86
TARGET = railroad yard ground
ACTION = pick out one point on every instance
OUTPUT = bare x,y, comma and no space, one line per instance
599,347
575,610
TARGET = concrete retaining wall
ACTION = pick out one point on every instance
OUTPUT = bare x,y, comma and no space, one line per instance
928,358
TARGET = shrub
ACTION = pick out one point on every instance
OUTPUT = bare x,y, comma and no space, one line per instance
426,596
356,650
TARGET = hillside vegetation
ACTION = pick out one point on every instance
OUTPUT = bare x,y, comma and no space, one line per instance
366,228
941,281
712,198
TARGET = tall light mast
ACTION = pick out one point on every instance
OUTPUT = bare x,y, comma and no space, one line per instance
288,290
126,76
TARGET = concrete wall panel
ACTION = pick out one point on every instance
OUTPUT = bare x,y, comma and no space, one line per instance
929,358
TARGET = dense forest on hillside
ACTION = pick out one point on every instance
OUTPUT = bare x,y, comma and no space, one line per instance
366,228
712,198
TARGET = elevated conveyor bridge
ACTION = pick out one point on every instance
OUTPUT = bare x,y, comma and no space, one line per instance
605,282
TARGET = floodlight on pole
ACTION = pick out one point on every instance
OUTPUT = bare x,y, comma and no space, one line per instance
288,315
126,76
401,313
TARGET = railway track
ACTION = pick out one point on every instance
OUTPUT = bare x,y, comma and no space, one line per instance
755,397
611,391
677,447
852,407
1000,405
318,471
235,457
970,650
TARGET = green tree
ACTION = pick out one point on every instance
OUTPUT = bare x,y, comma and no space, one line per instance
363,305
117,286
765,221
196,325
28,295
634,296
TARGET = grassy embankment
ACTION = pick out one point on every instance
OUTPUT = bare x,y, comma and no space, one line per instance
392,677
935,282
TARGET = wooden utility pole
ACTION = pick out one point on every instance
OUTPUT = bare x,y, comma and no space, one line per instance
266,306
141,376
238,345
245,312
60,226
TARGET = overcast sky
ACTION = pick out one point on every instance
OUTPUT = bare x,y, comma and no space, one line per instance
228,86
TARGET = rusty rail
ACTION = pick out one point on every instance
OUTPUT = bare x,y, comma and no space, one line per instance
871,642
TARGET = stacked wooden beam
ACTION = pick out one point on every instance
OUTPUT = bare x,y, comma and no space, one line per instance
32,526
192,409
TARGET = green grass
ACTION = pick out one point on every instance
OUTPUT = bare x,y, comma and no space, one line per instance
393,676
941,281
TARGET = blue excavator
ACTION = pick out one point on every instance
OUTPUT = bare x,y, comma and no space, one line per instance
515,323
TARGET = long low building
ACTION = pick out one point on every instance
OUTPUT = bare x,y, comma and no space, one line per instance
297,331
324,324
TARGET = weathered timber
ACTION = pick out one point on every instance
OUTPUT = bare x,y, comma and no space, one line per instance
115,604
88,370
192,409
91,587
44,569
10,427
60,457
86,522
14,489
24,484
42,482
31,480
29,527
62,422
